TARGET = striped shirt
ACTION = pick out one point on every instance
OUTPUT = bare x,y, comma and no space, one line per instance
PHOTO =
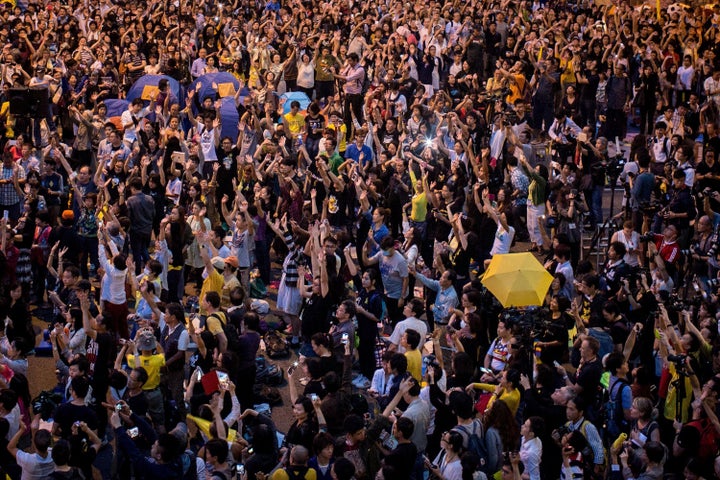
355,77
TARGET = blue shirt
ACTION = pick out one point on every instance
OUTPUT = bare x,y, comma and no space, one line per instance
353,152
445,301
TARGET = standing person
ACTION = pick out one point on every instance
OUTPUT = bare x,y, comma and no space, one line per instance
174,340
143,356
101,352
11,195
394,272
369,314
619,94
113,295
141,210
536,202
354,76
646,98
250,344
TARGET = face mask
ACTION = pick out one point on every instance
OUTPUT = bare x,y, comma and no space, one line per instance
386,253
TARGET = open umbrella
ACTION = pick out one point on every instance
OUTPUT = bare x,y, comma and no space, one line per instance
517,279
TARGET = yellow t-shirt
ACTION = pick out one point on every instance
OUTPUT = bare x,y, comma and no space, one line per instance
213,283
672,395
342,145
228,287
295,123
281,474
511,399
414,361
419,207
152,365
517,88
215,324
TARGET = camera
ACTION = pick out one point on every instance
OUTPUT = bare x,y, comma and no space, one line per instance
240,469
648,237
560,432
705,193
133,432
677,359
118,407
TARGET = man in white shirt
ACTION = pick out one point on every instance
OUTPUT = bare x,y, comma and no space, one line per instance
412,311
685,75
131,118
712,86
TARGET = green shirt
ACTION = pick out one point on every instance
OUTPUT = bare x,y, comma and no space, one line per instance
536,191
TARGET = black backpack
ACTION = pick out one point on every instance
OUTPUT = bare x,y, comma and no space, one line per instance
231,333
612,415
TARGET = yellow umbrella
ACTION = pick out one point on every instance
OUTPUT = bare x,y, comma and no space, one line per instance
517,279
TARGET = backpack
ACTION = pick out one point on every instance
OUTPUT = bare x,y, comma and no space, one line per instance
231,333
189,465
266,394
611,413
267,373
475,442
296,472
276,345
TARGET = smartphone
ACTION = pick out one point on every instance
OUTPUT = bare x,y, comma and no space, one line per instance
240,469
313,397
555,362
292,368
223,380
6,215
133,432
486,370
345,339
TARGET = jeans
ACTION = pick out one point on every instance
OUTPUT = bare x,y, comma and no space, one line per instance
89,250
543,112
353,104
139,243
596,213
176,285
13,211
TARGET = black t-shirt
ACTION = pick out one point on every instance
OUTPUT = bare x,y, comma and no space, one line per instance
138,404
67,414
315,315
401,458
589,379
100,354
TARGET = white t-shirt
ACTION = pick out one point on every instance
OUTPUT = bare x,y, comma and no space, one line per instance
207,143
35,467
409,323
174,187
306,75
503,240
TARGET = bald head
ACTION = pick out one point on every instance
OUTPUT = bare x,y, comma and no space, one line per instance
299,455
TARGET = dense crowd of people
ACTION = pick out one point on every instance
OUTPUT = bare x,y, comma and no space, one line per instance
434,137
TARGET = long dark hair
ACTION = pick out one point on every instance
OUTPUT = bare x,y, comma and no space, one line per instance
501,417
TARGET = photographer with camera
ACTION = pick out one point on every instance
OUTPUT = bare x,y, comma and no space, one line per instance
679,212
641,189
564,133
